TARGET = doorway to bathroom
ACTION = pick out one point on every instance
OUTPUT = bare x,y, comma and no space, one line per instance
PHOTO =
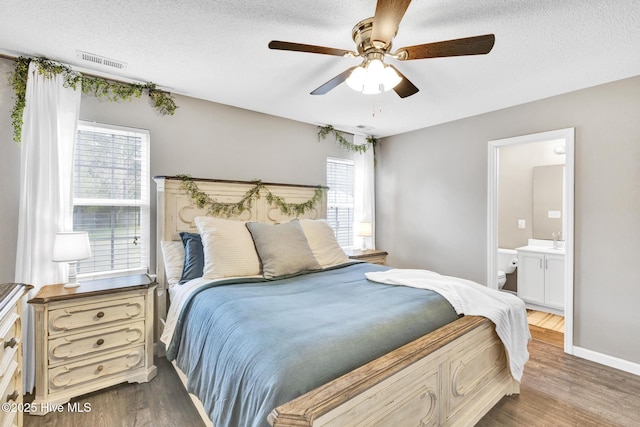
537,222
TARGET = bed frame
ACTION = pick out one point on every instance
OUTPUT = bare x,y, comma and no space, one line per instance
452,376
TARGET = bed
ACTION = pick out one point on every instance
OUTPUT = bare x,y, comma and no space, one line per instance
447,370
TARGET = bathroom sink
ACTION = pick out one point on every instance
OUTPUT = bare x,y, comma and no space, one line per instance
538,248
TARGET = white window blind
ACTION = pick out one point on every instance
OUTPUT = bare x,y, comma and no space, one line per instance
111,198
340,202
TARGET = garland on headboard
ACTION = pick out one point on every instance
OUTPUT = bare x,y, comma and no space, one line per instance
102,88
216,208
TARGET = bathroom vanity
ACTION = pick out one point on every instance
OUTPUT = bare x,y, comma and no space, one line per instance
541,276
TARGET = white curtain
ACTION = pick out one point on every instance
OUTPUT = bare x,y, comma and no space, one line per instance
48,135
365,197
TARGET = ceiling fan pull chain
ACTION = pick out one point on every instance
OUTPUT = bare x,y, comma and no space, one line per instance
373,104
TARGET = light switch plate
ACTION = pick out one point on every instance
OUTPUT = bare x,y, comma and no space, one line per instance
521,224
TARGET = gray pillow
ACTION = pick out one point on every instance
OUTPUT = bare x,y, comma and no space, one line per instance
283,249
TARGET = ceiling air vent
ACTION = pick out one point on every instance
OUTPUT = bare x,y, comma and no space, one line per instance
101,60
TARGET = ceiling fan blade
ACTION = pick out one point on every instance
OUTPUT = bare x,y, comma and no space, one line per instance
333,82
478,45
388,15
298,47
405,88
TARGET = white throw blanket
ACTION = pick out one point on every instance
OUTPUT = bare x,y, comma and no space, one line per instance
507,311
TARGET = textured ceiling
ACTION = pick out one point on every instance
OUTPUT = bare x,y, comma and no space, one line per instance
217,50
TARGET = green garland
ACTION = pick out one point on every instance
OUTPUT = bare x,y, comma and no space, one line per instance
323,131
98,86
217,208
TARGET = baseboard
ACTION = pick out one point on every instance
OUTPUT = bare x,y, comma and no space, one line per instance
603,359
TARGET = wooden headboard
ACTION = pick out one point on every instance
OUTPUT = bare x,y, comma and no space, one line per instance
176,211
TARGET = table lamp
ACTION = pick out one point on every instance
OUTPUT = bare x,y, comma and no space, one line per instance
365,230
71,247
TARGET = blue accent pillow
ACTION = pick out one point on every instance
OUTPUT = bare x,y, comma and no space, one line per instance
193,257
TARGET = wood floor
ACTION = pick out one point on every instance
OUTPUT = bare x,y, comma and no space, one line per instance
557,390
562,390
546,327
546,320
162,402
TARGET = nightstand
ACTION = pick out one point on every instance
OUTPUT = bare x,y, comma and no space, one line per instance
11,353
91,337
373,256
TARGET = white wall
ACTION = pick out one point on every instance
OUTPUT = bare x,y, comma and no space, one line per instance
9,178
432,210
202,139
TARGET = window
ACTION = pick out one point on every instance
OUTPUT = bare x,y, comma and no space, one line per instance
111,198
340,199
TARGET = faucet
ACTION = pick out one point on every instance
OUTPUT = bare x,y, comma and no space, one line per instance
557,239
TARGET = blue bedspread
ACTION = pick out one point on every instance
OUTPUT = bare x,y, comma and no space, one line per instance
249,347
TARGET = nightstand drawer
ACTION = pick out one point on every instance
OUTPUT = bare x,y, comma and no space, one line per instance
67,377
78,317
68,347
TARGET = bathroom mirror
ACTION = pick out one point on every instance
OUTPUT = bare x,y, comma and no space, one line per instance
547,201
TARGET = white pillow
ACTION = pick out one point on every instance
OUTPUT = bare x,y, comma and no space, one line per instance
323,243
228,248
173,255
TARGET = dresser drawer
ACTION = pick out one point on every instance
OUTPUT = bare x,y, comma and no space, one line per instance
9,336
78,317
9,419
11,393
9,384
74,375
70,346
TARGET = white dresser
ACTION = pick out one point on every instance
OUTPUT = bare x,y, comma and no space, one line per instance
91,337
11,353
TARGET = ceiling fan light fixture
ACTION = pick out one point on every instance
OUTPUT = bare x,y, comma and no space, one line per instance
390,78
375,68
373,77
371,88
357,79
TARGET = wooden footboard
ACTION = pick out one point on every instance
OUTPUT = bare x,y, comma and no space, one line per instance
452,376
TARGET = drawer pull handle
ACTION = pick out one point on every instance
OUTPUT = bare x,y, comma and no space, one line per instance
100,315
100,368
13,396
100,342
11,343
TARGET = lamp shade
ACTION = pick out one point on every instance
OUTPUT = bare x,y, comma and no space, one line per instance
71,246
365,229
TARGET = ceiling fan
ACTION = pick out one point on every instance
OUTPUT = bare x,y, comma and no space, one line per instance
373,38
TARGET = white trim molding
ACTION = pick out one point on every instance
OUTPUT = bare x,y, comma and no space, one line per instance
568,135
604,359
